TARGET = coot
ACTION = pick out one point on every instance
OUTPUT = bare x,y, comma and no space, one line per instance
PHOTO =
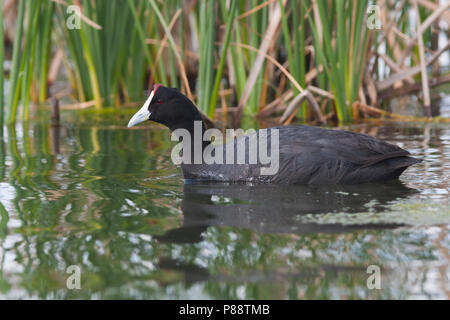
298,154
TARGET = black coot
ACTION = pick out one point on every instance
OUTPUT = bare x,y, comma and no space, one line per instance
307,155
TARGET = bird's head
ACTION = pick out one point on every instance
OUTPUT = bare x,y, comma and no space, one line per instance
169,107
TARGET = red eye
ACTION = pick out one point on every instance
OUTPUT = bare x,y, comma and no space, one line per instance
159,101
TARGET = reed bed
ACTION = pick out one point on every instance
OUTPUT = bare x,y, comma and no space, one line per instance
312,59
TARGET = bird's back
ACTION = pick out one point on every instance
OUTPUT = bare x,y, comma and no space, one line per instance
312,155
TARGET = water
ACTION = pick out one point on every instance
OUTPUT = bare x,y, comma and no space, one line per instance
107,199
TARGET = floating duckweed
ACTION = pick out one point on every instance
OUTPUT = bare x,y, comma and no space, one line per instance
403,213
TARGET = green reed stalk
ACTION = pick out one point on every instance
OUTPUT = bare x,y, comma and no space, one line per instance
49,8
28,57
223,55
239,63
2,77
166,31
300,56
134,64
343,62
295,54
182,30
91,69
207,46
73,39
162,71
116,62
137,23
172,63
15,65
287,43
258,25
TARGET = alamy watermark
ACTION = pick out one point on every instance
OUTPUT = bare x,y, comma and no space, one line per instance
73,20
374,280
258,147
373,17
74,280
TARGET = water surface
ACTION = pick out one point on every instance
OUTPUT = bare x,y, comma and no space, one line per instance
97,195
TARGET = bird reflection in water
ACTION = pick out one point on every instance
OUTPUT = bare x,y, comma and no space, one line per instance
277,208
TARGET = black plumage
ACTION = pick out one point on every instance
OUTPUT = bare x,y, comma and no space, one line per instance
312,155
307,155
